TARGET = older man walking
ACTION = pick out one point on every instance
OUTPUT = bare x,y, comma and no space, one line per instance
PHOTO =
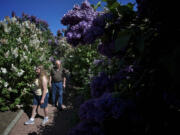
57,82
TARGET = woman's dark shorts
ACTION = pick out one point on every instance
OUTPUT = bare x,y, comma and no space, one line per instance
37,99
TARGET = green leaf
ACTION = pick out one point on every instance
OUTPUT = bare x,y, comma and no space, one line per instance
97,5
140,43
114,5
4,108
122,40
130,5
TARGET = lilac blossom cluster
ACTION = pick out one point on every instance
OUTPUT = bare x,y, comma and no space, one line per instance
43,25
101,84
104,83
94,112
107,106
84,24
107,49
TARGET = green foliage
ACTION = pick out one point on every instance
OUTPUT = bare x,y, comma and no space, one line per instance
78,61
122,40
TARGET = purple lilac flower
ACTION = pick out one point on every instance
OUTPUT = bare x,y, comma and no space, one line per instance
51,59
33,19
101,84
107,49
13,14
56,42
95,109
129,68
49,41
43,25
59,33
97,62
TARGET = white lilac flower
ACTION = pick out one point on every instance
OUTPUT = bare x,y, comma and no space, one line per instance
19,40
34,42
30,60
9,89
6,55
26,24
25,47
62,44
13,19
25,57
6,84
15,52
39,31
34,36
41,49
33,26
20,73
6,28
0,80
41,58
23,30
4,70
17,23
13,68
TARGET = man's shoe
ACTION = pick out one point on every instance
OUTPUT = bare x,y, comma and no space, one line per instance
63,106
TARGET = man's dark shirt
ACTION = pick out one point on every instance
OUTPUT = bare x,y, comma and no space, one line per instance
57,76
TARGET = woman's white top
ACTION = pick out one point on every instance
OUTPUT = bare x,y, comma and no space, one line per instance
38,90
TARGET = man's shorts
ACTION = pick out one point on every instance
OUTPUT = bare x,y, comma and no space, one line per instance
37,99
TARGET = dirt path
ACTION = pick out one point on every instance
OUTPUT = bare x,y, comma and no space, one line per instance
59,121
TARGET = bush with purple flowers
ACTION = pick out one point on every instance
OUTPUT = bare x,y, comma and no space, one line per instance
140,65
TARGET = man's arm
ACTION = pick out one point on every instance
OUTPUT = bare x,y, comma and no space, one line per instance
64,82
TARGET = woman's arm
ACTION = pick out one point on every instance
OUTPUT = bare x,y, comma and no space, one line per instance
44,88
50,79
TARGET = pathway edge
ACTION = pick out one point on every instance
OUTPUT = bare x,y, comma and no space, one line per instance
13,122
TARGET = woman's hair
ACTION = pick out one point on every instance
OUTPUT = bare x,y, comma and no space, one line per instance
43,73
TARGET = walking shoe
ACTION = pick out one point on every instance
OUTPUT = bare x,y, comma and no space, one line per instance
45,120
29,122
63,106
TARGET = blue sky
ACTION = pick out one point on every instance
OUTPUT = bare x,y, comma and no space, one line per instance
49,10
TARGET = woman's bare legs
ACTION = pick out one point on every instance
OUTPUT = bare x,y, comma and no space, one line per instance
46,112
34,111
